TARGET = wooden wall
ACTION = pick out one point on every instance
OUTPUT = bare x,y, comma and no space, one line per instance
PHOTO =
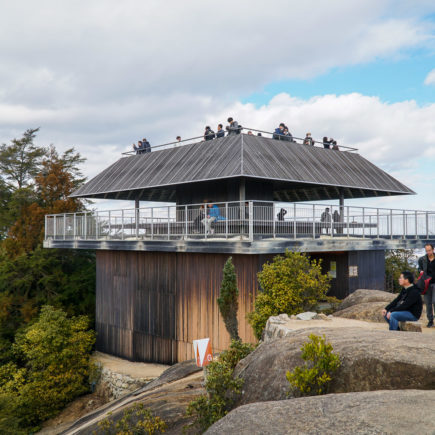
150,306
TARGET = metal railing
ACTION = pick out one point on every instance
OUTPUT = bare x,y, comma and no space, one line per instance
269,133
250,220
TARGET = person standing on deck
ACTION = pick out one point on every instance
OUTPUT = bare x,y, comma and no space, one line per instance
220,131
427,264
233,128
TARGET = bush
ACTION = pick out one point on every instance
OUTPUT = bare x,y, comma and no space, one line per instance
52,368
228,300
222,389
290,284
135,420
314,377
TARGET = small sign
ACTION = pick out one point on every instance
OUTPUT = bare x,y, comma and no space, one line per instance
203,353
353,271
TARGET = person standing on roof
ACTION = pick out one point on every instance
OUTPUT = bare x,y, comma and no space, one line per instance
178,139
139,148
233,128
326,143
279,132
146,146
287,135
220,131
308,140
209,133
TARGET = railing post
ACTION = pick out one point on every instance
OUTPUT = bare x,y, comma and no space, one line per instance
416,223
97,231
122,224
152,223
110,224
332,222
45,227
137,216
377,223
347,224
86,226
363,223
391,223
314,222
55,227
186,229
404,223
251,221
294,221
427,225
64,226
169,228
226,216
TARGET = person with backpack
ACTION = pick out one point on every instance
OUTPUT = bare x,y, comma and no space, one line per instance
234,127
209,133
407,307
426,264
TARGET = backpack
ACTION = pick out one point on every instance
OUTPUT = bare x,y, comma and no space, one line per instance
423,282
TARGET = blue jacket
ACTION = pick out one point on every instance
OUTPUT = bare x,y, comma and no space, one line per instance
215,212
220,133
277,133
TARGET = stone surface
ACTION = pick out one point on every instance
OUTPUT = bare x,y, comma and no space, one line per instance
363,296
410,326
167,397
368,311
400,412
322,316
371,360
308,315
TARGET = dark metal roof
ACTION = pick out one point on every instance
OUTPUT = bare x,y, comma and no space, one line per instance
291,166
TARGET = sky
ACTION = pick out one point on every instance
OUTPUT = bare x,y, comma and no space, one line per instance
98,76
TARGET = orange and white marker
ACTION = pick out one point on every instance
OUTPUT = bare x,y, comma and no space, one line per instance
203,353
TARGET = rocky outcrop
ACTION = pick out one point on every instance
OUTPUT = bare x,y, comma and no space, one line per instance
167,397
368,311
363,296
410,326
119,384
380,412
371,360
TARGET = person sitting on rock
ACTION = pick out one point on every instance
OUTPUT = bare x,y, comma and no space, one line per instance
407,306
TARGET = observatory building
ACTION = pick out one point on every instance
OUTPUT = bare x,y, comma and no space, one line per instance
159,267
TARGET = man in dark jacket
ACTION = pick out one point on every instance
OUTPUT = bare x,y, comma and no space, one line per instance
220,131
209,133
279,132
407,306
426,264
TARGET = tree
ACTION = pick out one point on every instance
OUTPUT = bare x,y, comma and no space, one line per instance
396,261
290,284
21,160
228,300
53,367
58,177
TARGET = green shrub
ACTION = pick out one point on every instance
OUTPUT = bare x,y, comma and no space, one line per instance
290,284
228,300
321,363
52,368
135,420
222,389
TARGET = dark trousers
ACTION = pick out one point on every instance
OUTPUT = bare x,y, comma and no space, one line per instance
429,300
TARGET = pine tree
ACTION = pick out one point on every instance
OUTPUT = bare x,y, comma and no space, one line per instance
228,300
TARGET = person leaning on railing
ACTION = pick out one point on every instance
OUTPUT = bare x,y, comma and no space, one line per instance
234,127
308,140
139,148
220,131
146,146
209,133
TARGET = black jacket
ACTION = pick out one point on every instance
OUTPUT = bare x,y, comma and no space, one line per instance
409,299
423,263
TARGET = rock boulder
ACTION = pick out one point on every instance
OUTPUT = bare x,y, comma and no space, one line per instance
363,296
379,412
368,311
371,360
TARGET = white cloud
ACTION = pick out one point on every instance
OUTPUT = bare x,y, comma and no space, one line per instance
430,78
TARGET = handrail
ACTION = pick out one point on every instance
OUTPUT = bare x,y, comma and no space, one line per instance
133,152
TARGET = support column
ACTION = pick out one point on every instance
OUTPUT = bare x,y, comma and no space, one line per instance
136,216
341,200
